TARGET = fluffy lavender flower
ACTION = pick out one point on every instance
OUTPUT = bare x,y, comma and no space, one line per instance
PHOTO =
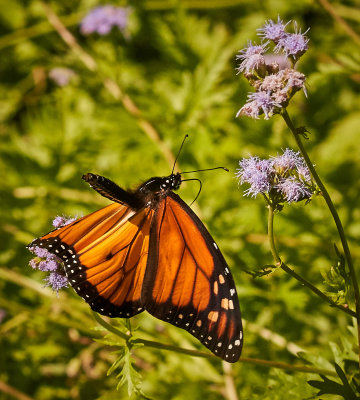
293,44
284,178
103,18
304,172
40,251
249,109
257,103
273,30
61,76
290,159
293,190
280,87
291,163
287,79
252,57
256,172
45,261
34,263
60,221
48,262
274,85
56,281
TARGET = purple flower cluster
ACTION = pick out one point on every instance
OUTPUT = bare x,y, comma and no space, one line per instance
45,261
274,82
284,178
48,262
256,172
292,44
252,57
259,102
103,18
273,30
61,220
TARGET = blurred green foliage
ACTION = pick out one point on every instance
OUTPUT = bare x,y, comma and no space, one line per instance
177,66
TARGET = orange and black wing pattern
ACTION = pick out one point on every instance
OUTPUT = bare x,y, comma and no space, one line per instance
105,255
187,281
149,251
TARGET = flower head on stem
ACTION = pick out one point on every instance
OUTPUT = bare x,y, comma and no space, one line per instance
283,179
252,57
273,30
48,262
103,18
274,83
293,44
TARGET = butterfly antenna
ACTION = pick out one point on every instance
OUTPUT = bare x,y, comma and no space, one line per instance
194,179
206,169
182,144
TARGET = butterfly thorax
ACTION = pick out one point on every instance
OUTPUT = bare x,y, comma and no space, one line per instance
154,189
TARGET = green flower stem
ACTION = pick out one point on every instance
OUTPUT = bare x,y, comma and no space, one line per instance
274,252
335,216
291,272
197,353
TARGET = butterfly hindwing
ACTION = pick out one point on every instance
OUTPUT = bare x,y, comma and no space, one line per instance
187,281
105,255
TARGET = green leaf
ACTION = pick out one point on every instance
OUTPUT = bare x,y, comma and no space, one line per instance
265,270
328,386
128,375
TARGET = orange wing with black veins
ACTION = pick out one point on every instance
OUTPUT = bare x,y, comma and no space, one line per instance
187,281
105,255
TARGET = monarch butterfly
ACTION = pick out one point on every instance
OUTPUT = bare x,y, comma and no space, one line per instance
149,251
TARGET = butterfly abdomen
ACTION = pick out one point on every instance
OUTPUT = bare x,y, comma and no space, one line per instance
112,191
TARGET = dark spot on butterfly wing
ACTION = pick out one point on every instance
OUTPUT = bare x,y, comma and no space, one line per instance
77,277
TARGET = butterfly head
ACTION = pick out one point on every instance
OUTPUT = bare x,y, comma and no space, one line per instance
171,182
161,185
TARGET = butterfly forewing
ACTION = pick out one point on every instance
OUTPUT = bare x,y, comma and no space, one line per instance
187,281
105,255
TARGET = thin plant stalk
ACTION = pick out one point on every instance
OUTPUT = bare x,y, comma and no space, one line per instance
197,353
335,216
288,270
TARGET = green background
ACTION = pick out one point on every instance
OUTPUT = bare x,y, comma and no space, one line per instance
177,65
